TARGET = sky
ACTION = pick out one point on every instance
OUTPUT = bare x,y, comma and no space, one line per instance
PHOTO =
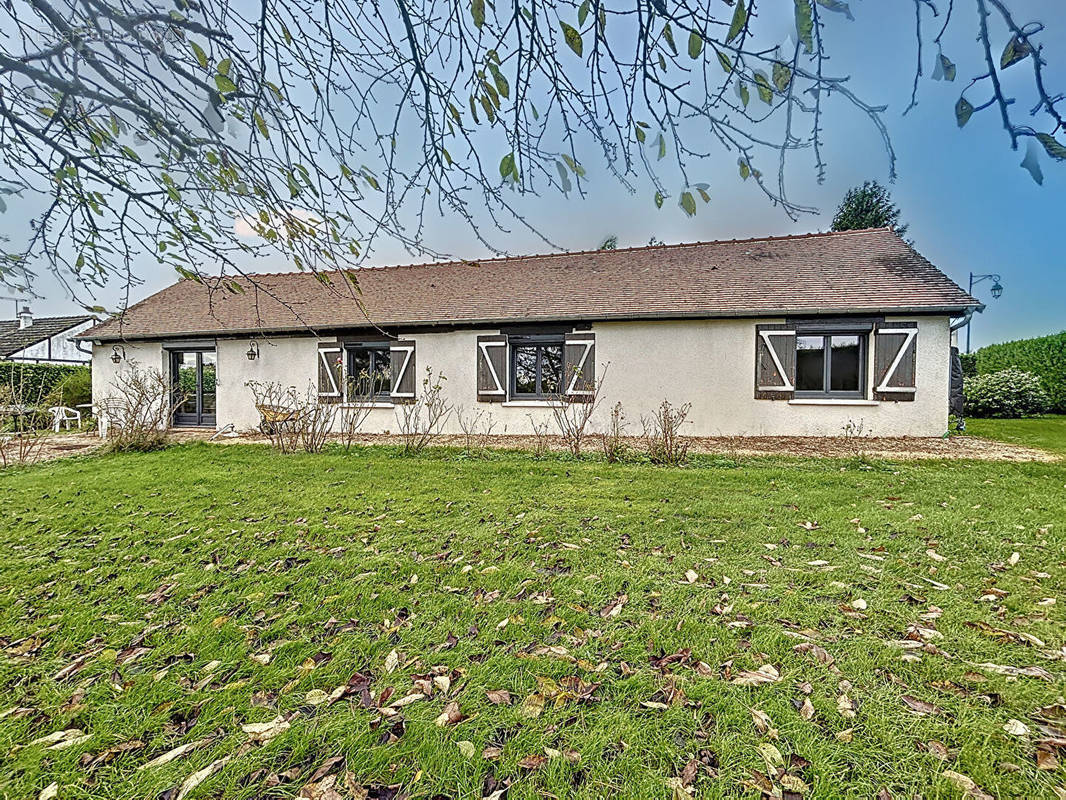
970,206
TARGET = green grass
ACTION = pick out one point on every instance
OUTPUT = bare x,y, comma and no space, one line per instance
1047,433
358,556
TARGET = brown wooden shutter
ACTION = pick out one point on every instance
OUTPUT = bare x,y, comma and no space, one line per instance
330,373
775,362
491,369
579,366
895,361
402,364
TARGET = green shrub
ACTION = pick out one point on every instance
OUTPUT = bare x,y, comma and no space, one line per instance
1007,393
969,364
33,381
74,390
1044,356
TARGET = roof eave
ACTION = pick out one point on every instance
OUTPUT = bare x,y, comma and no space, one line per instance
950,310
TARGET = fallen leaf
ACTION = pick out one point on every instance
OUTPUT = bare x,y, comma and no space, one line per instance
920,706
967,785
450,716
48,792
1015,727
533,705
466,748
499,697
262,732
614,608
765,674
392,660
173,755
533,762
200,776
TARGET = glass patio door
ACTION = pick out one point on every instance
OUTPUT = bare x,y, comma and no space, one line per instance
194,374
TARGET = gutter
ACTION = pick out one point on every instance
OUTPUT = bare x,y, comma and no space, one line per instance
487,322
966,317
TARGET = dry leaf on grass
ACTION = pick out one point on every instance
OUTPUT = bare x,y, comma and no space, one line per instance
614,608
967,785
765,674
920,706
49,792
499,697
263,732
173,755
450,716
1015,727
200,776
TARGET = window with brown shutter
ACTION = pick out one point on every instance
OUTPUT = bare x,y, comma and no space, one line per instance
491,369
579,366
775,362
895,361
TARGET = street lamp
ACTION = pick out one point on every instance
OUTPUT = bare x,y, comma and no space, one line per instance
253,350
116,356
996,292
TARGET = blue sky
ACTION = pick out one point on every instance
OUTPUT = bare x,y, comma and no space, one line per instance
969,204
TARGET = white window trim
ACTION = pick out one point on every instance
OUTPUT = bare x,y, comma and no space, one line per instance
786,384
910,333
499,390
373,404
532,404
831,401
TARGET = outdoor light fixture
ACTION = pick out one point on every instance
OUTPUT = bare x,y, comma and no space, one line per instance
116,356
996,291
253,350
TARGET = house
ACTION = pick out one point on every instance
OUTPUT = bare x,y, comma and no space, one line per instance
44,340
795,335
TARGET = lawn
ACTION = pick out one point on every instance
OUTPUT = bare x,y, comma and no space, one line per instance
226,622
1046,433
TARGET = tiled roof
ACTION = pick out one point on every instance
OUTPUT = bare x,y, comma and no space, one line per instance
13,338
854,271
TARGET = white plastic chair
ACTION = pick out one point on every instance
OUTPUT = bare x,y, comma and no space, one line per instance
62,415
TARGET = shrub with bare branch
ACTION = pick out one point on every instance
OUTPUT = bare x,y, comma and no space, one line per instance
21,438
138,410
615,448
423,420
292,420
477,427
363,390
542,441
572,415
662,434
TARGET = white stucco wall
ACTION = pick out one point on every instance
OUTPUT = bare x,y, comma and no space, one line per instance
62,350
707,363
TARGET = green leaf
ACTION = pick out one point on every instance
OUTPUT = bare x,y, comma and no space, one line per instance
507,166
1015,51
837,5
224,66
723,59
948,67
766,92
659,199
668,34
695,44
1054,148
576,167
740,18
703,194
745,95
688,202
745,169
782,76
224,84
260,123
573,38
805,24
963,111
640,133
502,86
661,144
198,51
477,11
583,12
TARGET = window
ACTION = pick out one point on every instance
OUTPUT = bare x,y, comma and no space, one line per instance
831,365
369,371
536,367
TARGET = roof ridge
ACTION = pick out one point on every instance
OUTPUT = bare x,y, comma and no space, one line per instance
565,253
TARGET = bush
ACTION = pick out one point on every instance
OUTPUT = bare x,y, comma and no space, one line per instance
1044,357
32,380
969,364
74,390
1007,393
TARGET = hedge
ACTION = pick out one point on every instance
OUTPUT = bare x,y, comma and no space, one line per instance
1044,356
34,381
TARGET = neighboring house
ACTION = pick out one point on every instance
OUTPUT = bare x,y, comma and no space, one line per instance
794,335
44,340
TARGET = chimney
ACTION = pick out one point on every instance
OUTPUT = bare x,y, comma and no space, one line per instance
25,318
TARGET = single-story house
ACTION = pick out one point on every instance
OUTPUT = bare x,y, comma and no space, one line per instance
44,340
795,336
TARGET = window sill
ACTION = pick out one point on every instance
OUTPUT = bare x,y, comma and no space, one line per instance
532,404
831,401
375,404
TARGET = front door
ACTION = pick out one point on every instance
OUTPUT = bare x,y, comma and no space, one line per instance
194,373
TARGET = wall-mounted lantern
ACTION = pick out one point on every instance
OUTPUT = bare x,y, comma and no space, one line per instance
253,350
118,354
